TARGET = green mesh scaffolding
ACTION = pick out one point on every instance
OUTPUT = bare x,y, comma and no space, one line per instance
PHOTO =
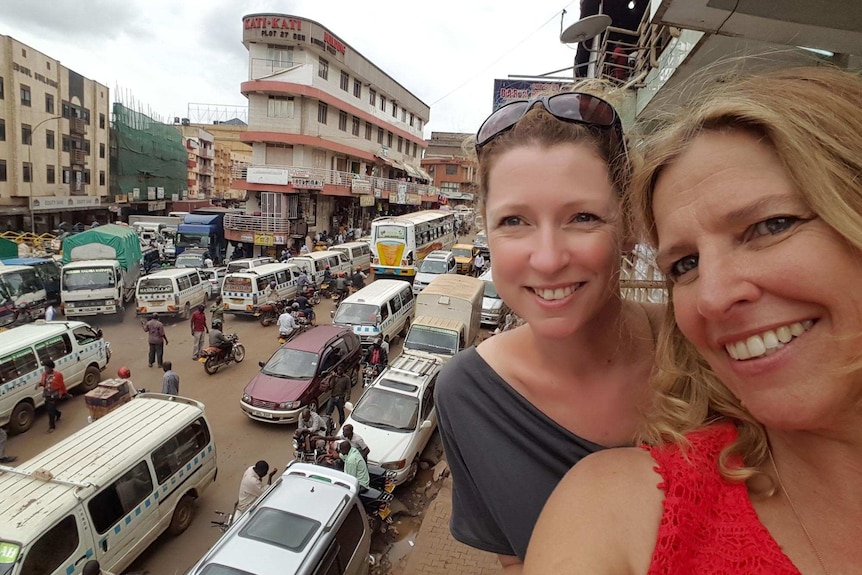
146,154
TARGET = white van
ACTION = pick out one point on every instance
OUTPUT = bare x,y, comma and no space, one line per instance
359,254
384,307
174,292
434,265
79,352
108,491
243,292
315,263
245,264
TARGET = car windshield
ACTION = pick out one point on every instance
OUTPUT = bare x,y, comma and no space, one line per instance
491,291
389,232
237,284
291,364
387,410
355,314
480,240
238,266
432,266
432,339
462,253
84,279
155,285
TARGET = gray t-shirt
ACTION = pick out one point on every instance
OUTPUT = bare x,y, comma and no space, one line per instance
506,456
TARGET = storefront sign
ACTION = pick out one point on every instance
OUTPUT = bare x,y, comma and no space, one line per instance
360,186
151,193
414,200
155,206
378,192
366,201
304,181
274,176
121,198
160,193
263,239
248,238
64,203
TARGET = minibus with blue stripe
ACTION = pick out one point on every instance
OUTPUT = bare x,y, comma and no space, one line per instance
108,491
243,292
382,308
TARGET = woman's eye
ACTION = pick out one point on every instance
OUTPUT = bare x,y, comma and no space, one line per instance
583,217
773,226
682,266
511,221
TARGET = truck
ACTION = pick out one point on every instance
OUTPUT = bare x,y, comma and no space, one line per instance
448,313
100,271
155,227
204,228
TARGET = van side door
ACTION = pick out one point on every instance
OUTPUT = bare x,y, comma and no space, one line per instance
61,550
69,361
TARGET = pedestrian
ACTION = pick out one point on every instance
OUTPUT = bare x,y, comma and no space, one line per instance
54,388
3,457
217,311
157,339
355,440
50,312
170,381
251,486
199,330
340,393
92,567
479,264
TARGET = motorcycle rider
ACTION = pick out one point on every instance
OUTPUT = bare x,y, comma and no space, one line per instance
310,425
354,463
286,324
302,282
303,305
327,275
270,295
358,279
219,340
341,285
377,355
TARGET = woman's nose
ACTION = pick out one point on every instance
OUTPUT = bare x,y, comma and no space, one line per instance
724,283
551,252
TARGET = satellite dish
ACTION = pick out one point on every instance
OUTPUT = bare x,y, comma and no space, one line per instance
585,28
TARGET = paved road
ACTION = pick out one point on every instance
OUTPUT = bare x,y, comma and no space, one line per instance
240,441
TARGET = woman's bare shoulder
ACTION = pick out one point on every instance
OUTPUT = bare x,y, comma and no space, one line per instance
603,517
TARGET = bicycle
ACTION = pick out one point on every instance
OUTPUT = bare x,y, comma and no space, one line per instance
225,519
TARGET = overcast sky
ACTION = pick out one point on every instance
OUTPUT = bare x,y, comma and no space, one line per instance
169,53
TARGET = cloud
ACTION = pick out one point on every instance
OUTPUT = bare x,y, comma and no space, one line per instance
99,20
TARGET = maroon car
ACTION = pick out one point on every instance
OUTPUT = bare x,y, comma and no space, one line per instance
290,380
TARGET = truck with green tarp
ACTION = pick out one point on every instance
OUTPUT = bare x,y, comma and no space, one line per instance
100,271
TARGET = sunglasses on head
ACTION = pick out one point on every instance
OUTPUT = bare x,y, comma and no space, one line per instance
574,107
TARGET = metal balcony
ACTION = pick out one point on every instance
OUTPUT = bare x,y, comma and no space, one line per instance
247,223
77,157
76,189
77,126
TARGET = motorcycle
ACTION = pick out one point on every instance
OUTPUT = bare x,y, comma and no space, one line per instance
301,327
214,357
376,503
325,290
312,294
269,311
370,371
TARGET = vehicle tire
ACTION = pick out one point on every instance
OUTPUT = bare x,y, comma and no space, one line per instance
187,312
414,469
373,523
239,352
183,515
265,320
22,417
313,405
403,333
92,377
356,377
210,365
315,299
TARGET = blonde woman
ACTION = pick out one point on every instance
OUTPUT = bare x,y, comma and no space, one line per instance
754,201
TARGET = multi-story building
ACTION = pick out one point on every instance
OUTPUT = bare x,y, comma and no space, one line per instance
200,146
335,140
232,156
453,170
53,142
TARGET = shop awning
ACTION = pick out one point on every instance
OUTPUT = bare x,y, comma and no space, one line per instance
413,171
400,166
384,160
425,175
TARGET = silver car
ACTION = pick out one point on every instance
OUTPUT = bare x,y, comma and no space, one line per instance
494,309
215,276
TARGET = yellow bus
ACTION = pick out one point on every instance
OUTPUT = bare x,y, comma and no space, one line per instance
399,243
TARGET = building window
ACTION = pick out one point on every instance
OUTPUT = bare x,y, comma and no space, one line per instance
345,81
49,103
368,131
415,148
420,124
355,130
26,134
87,177
400,143
2,91
372,97
2,170
2,130
280,107
451,169
101,121
101,177
101,150
411,119
321,112
49,139
357,88
279,56
67,144
380,136
394,109
25,95
382,104
404,115
342,121
323,70
67,176
28,171
50,175
389,139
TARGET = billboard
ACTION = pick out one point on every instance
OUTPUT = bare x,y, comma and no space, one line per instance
507,90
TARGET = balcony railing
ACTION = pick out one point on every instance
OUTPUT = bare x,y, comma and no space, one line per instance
245,223
77,157
239,171
76,189
77,126
261,67
631,54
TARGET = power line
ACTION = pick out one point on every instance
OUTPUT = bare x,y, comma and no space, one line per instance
512,49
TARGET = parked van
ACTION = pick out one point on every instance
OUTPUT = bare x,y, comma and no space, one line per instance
384,307
47,269
358,253
242,292
108,491
172,292
78,351
21,290
315,263
311,521
244,264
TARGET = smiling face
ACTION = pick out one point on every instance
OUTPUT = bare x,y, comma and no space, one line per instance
554,229
763,288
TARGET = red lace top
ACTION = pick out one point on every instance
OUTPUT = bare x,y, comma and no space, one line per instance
709,525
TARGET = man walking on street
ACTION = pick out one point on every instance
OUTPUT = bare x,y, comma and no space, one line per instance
340,394
157,339
170,381
54,388
479,264
199,330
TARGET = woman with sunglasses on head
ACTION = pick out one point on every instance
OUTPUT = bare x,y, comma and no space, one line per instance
518,411
754,202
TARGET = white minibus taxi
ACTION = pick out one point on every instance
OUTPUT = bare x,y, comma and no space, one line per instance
174,292
384,307
359,254
243,292
315,263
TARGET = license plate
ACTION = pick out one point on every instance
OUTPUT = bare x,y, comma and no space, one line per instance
235,300
157,302
384,513
390,487
202,359
262,414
